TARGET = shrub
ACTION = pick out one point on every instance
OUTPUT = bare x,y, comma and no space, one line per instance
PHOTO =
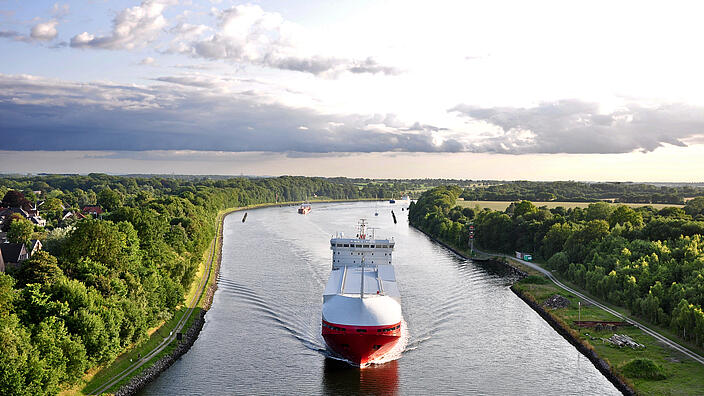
643,368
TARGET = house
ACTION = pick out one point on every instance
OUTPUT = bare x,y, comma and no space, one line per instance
29,214
38,221
7,212
71,214
93,210
35,246
13,254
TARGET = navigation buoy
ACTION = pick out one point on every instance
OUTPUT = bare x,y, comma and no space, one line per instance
394,216
245,217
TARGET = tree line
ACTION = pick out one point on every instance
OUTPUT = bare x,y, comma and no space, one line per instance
570,191
101,283
650,261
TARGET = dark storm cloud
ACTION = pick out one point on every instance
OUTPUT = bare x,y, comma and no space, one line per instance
573,126
43,114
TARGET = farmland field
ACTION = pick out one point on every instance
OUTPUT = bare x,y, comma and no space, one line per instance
502,205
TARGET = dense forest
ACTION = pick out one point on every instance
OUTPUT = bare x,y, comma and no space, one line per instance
650,261
102,281
569,191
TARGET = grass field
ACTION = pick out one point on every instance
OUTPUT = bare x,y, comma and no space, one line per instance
502,205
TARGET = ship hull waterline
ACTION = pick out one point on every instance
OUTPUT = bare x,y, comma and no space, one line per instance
361,345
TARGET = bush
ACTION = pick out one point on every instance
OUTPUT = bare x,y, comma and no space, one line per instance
643,368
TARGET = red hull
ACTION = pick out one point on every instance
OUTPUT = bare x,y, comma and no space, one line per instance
361,344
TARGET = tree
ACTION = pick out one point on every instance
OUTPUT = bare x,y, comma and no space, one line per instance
695,206
41,268
20,231
109,199
598,211
523,208
53,208
14,199
624,214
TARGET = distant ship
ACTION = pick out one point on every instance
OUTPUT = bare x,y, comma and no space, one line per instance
304,208
361,303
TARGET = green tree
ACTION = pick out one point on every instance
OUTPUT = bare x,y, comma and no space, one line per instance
20,231
109,199
624,214
695,206
52,208
42,268
598,211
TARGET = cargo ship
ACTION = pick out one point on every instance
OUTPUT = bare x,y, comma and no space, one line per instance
361,304
304,208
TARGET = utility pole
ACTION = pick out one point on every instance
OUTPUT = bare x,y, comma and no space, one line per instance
579,312
471,239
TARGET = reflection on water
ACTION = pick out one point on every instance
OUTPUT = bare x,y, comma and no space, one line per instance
339,378
466,332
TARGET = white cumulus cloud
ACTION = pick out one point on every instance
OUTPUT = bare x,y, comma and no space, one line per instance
248,34
45,31
132,28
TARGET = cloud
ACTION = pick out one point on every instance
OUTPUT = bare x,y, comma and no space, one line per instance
132,28
13,35
60,10
45,31
148,61
248,34
574,126
44,114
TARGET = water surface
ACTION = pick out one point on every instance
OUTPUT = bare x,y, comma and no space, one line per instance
467,332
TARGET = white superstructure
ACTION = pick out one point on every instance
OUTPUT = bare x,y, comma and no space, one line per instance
362,289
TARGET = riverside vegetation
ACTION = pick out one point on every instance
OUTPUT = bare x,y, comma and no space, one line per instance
648,262
101,283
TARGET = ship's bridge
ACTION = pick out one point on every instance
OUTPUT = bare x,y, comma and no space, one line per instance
351,251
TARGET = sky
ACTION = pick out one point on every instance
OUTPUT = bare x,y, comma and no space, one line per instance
536,90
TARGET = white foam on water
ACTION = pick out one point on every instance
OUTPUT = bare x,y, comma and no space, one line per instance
397,350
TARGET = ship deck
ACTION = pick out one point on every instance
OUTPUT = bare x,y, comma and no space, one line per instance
347,280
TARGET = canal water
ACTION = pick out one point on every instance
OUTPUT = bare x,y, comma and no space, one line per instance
467,332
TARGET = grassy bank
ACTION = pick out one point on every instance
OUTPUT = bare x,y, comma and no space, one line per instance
678,374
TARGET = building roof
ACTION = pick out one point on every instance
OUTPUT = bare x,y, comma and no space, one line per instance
10,211
11,252
93,209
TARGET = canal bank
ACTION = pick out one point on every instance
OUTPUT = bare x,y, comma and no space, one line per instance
557,324
670,370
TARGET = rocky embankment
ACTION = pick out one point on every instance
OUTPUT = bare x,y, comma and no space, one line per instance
140,381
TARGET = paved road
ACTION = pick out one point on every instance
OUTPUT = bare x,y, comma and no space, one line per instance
172,335
646,329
